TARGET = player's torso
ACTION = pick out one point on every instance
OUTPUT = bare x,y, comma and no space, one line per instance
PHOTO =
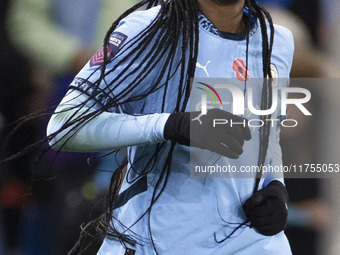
199,211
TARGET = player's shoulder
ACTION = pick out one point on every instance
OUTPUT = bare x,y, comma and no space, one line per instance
140,18
283,50
133,24
283,32
283,36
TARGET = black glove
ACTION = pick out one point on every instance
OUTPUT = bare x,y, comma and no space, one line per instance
193,129
267,209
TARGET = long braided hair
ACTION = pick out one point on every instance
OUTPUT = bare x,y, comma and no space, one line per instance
174,31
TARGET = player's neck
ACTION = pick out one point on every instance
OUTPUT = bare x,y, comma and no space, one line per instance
226,17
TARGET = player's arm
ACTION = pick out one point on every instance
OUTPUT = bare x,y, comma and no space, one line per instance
110,130
267,208
106,131
68,129
79,125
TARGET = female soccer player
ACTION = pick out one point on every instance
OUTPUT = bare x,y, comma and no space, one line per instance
134,94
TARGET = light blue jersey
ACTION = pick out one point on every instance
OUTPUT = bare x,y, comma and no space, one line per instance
193,213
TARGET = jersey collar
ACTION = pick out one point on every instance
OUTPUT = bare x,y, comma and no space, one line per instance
206,24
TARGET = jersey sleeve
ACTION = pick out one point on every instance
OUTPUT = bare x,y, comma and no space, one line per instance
124,58
283,51
274,159
106,131
111,129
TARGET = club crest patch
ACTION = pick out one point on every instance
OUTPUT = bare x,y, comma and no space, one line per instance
274,72
116,41
275,75
240,70
129,252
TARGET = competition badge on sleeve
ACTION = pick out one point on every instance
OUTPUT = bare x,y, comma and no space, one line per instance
116,41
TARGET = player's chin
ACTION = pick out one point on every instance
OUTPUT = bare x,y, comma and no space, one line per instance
227,2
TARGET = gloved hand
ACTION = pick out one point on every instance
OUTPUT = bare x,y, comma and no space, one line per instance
267,209
193,129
